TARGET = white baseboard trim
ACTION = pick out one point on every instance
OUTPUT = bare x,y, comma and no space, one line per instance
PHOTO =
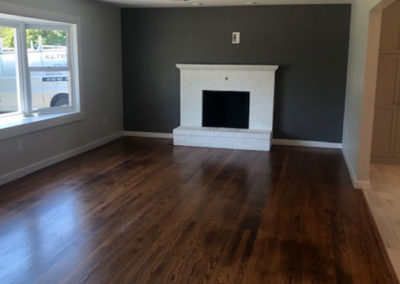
358,184
149,134
57,158
304,143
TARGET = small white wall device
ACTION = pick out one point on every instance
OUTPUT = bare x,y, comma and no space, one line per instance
235,38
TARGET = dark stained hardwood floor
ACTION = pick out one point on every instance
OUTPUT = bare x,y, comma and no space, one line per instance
143,211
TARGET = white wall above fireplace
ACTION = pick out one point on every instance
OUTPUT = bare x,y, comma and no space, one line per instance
258,80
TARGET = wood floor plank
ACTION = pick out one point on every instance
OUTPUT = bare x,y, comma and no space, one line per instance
142,211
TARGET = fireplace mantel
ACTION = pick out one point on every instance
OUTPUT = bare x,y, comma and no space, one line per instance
258,80
228,67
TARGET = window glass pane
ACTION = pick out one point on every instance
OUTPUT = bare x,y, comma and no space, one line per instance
46,48
8,71
50,89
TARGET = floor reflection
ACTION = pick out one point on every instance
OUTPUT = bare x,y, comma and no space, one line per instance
56,224
32,241
15,251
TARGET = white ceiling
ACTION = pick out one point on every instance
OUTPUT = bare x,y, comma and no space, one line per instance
210,3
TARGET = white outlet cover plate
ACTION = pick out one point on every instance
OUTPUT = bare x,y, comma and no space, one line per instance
235,38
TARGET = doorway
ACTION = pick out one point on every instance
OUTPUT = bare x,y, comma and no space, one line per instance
382,107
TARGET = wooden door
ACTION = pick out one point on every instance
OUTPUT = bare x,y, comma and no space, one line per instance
386,132
397,102
390,36
387,117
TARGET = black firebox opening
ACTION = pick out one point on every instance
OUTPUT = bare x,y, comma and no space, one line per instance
226,109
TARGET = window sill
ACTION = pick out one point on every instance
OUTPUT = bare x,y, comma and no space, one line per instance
18,125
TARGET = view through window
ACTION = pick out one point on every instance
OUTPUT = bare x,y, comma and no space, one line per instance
8,71
48,65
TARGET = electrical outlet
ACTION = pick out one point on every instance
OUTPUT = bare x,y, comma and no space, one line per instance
235,38
20,146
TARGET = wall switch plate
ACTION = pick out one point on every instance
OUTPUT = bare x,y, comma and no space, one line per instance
235,38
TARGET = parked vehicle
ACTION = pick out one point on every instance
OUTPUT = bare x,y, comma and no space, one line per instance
49,89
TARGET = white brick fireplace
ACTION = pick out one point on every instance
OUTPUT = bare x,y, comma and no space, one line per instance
258,80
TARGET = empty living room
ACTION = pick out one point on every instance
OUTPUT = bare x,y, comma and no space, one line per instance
200,141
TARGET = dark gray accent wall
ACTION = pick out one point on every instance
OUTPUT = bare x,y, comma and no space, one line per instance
308,42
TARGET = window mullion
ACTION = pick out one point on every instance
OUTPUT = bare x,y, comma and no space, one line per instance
26,101
73,63
20,68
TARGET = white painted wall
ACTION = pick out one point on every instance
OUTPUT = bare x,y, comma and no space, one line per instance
100,78
355,89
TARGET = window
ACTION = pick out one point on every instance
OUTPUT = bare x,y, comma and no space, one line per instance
38,67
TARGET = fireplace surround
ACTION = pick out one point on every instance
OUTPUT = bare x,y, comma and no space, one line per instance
258,81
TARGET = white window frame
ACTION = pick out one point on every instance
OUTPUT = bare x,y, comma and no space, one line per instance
26,114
